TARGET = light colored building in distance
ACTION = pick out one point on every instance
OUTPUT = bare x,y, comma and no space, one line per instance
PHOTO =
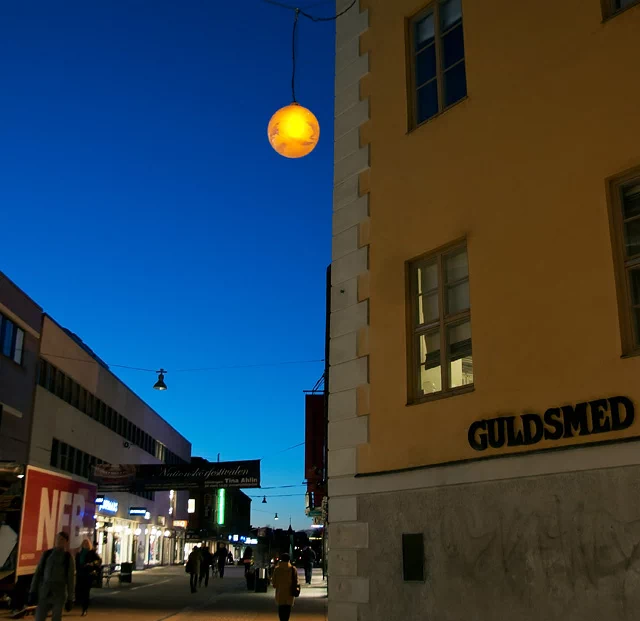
83,416
485,312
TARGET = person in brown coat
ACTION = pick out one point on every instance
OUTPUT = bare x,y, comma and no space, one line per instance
285,579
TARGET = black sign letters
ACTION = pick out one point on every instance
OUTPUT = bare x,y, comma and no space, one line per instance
567,421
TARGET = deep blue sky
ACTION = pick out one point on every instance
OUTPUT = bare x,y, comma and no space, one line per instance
142,206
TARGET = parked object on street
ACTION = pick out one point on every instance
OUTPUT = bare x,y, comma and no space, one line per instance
287,586
53,584
87,568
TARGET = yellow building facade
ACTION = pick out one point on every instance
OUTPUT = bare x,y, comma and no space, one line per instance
485,311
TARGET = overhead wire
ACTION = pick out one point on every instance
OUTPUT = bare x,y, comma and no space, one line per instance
194,370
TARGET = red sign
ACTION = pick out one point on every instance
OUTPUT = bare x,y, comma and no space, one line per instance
53,503
315,428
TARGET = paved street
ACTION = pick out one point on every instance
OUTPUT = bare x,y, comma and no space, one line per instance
163,595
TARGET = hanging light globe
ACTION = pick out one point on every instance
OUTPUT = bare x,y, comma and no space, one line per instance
294,131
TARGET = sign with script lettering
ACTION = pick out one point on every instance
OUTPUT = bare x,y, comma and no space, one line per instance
592,418
161,477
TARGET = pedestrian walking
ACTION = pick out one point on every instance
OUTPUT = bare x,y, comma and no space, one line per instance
87,569
53,583
247,559
205,564
308,559
221,560
193,568
287,586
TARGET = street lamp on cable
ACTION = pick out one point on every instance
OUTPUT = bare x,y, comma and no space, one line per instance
276,517
264,500
160,385
293,130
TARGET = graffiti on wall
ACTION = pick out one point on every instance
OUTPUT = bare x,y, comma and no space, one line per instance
557,547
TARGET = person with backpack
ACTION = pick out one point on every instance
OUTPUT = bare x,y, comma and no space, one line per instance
87,569
53,584
287,586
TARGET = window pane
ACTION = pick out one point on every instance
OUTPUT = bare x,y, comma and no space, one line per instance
452,47
425,31
456,266
426,65
450,13
17,356
455,84
621,4
459,355
7,341
634,280
427,101
458,298
71,459
632,237
428,308
430,374
631,201
636,321
427,276
54,453
63,456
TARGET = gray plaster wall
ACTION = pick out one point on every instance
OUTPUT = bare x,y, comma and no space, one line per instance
555,547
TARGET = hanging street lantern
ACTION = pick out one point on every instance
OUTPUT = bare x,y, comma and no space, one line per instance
160,385
294,131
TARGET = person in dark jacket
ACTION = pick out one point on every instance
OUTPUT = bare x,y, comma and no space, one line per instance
87,569
308,559
53,584
193,568
205,564
221,559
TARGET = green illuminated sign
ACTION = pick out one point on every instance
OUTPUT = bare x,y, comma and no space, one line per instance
220,506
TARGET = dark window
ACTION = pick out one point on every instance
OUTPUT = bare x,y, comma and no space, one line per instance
441,355
611,7
101,412
7,337
413,557
55,449
75,394
625,208
59,384
64,452
82,400
437,62
71,459
67,389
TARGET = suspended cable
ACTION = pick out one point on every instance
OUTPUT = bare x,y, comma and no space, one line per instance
219,368
313,18
289,448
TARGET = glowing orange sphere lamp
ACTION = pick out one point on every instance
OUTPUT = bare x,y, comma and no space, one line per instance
294,131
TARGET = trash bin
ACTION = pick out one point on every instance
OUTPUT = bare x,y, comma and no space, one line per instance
262,580
126,572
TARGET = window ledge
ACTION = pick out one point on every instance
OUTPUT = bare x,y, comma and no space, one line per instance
615,14
632,354
445,394
415,128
